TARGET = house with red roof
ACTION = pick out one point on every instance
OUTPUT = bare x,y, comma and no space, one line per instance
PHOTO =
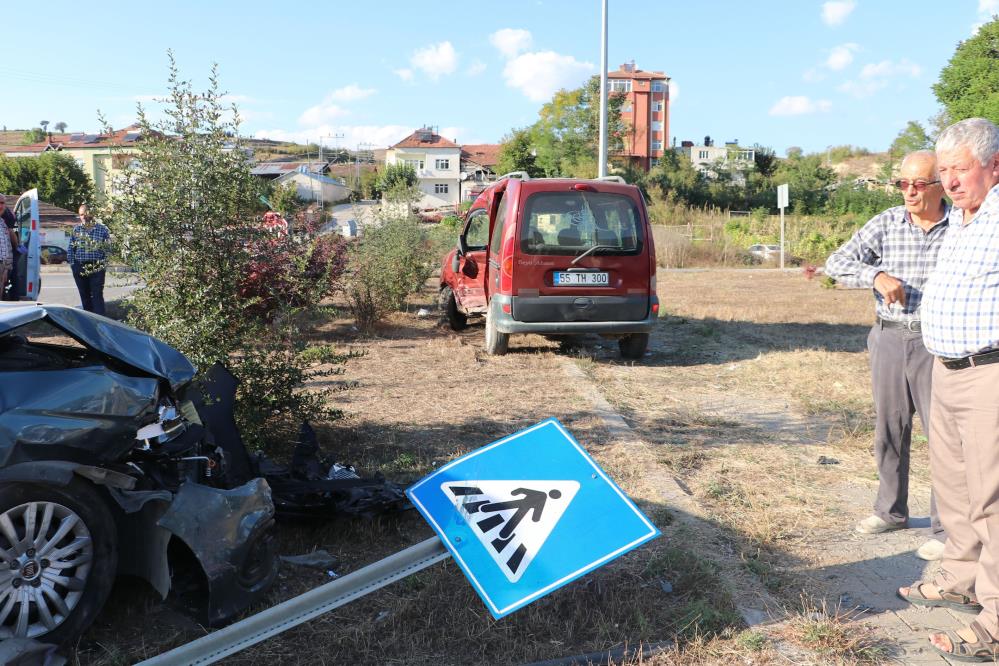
437,162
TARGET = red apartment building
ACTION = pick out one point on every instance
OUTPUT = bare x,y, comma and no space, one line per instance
645,113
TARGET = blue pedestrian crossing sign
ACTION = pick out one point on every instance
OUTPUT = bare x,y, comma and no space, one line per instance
527,514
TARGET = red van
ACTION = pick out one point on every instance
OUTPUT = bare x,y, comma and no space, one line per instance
558,257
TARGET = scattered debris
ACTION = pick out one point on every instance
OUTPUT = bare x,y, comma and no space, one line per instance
423,313
827,461
317,559
666,586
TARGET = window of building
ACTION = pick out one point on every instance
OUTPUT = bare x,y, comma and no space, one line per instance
658,86
619,86
653,162
702,154
657,106
626,108
657,145
442,164
657,125
440,188
416,164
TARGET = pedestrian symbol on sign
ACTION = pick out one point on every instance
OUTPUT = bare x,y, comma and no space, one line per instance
512,519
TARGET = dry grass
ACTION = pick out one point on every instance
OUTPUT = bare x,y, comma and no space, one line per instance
833,635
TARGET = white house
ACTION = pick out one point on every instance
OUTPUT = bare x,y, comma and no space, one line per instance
437,162
314,187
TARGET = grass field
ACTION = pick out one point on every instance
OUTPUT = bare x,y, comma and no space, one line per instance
752,376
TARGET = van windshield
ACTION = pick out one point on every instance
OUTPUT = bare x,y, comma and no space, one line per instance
571,223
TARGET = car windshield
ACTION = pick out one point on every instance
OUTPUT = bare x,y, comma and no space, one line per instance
571,223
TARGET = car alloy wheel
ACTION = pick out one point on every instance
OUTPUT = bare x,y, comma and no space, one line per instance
55,568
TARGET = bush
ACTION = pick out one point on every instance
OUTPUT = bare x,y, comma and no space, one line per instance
217,285
390,262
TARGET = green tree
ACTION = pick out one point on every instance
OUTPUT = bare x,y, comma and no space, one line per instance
284,199
913,137
61,126
34,135
216,284
58,177
765,160
398,183
808,182
969,83
518,154
678,179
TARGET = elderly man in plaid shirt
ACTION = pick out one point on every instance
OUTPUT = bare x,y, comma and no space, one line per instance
961,328
87,256
893,254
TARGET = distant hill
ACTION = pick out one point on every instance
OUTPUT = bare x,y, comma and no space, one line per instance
866,166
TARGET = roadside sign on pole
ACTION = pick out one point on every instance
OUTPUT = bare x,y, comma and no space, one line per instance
527,514
782,196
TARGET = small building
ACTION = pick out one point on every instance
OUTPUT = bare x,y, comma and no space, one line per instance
274,170
706,156
478,168
437,162
314,187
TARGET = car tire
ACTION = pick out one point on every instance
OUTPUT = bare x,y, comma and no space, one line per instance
86,552
633,346
457,320
496,342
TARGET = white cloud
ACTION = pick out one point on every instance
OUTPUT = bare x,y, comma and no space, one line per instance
349,93
539,75
841,56
988,7
797,105
405,74
862,89
321,113
435,60
674,90
476,68
511,41
813,75
888,69
836,11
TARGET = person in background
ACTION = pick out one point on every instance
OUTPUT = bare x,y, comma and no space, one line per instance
87,256
961,328
893,255
8,289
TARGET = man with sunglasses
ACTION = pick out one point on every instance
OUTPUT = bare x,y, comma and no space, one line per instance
893,254
961,328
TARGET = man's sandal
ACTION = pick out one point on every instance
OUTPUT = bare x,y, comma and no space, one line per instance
950,600
984,649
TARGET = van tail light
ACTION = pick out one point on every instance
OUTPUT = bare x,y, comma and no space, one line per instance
506,266
652,290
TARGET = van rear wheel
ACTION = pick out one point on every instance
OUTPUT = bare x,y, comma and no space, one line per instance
496,342
633,346
457,320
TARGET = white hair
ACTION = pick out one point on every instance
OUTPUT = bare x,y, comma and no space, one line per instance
978,135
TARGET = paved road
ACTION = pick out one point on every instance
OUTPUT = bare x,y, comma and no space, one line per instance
58,286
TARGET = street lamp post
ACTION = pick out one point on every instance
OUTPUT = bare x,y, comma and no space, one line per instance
602,157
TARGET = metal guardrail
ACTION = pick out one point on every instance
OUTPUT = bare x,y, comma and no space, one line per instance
300,609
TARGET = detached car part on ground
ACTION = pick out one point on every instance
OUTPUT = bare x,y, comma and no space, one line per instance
114,460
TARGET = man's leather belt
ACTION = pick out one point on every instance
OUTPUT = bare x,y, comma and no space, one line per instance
969,361
909,325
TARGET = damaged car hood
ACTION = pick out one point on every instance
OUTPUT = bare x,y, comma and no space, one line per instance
123,343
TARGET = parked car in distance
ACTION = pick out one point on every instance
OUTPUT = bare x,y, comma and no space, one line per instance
765,252
53,254
558,257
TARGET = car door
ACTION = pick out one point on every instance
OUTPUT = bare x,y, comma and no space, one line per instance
471,273
28,284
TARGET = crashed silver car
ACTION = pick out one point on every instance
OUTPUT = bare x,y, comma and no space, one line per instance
113,460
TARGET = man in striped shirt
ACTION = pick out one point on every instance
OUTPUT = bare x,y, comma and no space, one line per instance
893,255
961,328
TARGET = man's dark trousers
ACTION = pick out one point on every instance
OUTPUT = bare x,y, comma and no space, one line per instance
90,284
901,376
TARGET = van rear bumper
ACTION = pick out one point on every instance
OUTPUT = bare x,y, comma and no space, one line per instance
505,323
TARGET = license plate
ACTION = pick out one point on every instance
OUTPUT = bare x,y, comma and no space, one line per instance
563,279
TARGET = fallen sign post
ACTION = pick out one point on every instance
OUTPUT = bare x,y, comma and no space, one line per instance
522,517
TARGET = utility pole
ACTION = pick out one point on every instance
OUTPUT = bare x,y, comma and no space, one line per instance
602,157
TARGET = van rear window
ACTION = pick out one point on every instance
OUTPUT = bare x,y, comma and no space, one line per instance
570,223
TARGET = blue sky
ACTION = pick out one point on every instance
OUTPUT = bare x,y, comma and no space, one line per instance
780,73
